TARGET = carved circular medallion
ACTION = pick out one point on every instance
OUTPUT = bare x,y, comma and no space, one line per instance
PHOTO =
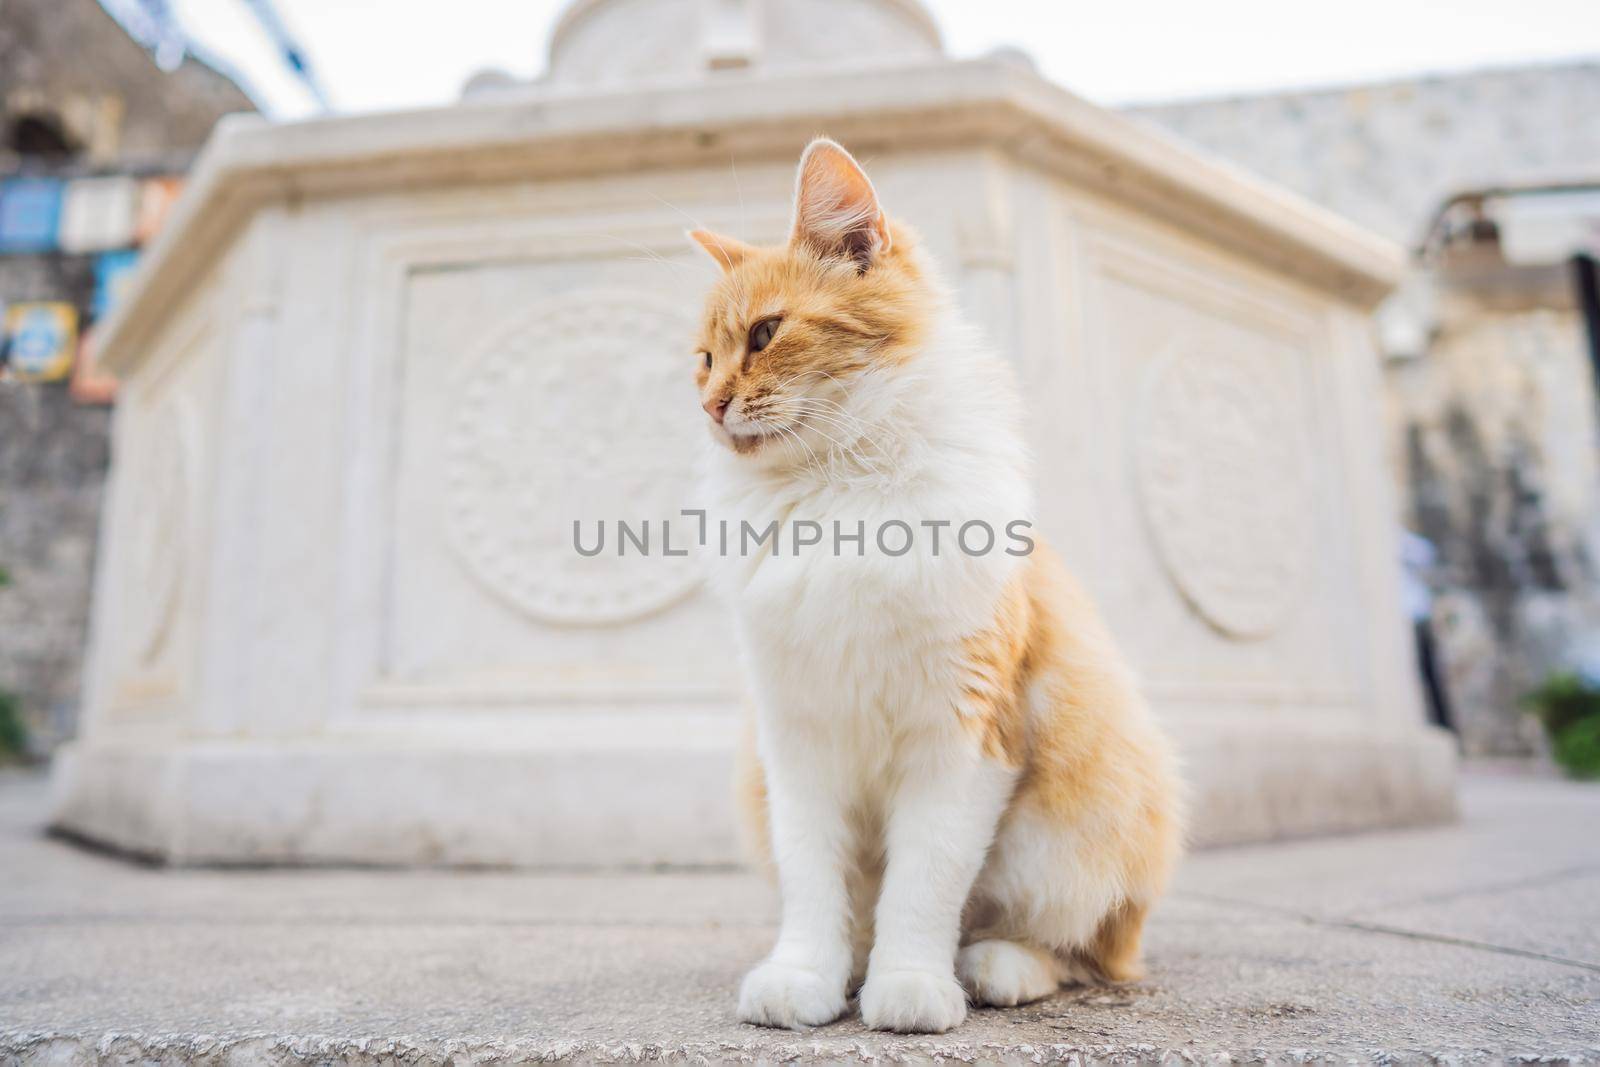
157,481
580,408
1222,470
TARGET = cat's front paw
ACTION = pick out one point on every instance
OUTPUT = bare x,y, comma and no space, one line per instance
776,994
913,1002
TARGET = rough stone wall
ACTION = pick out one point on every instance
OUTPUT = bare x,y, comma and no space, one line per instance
1496,443
1386,155
53,456
52,473
1492,425
69,60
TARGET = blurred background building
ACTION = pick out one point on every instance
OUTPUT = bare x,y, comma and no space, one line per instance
96,131
1492,179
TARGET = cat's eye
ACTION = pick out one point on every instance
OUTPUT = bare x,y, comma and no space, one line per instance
708,359
761,333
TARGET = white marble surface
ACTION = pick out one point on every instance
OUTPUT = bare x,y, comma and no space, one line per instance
379,365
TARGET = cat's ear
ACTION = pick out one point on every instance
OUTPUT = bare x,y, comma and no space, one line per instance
836,211
729,252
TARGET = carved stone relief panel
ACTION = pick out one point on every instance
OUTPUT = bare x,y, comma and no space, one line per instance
1218,392
153,547
159,473
1224,481
564,415
542,388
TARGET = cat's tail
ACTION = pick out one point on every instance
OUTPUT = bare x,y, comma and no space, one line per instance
1113,953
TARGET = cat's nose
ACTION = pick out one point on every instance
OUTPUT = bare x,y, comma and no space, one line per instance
717,407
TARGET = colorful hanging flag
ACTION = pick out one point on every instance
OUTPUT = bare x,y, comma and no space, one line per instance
98,214
156,199
40,340
30,214
112,272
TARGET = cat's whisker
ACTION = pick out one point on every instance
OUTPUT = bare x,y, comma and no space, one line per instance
842,444
816,465
871,430
650,254
744,223
656,261
778,389
818,404
855,418
696,224
843,419
836,442
814,462
693,222
847,443
834,407
848,425
808,453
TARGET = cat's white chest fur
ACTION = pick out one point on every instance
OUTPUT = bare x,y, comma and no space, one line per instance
866,622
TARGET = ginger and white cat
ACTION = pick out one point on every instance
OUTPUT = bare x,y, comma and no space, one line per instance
950,763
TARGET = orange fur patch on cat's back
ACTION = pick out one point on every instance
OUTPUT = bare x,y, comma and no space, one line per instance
1098,761
995,667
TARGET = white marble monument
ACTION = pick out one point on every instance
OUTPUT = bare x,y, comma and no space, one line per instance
378,365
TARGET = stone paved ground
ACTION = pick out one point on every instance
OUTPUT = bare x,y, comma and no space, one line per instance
1470,942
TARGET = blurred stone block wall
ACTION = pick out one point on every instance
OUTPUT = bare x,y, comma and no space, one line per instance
1496,444
1491,407
53,455
1385,155
79,98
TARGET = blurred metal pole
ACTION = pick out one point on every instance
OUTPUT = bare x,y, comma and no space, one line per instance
293,54
1586,278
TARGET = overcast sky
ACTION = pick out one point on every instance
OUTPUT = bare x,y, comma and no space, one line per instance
406,53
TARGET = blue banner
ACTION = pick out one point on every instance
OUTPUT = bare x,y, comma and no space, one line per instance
30,214
111,273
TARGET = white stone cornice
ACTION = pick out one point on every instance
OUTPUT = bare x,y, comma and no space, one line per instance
249,163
